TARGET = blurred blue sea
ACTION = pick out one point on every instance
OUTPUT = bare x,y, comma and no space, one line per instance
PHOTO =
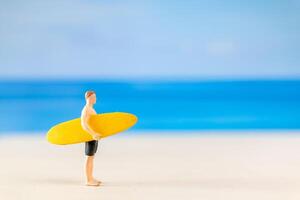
257,104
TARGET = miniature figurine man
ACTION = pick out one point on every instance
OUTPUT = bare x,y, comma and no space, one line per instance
91,146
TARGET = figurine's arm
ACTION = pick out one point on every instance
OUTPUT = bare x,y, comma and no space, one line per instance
87,127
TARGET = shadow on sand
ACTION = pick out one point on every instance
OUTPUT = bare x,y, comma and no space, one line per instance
237,183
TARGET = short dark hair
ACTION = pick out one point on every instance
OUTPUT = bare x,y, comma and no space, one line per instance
89,93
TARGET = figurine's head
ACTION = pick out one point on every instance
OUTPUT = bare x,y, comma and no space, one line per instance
90,97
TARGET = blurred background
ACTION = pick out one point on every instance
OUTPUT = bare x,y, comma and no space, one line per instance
177,65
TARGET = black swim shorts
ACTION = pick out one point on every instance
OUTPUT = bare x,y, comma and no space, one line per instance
91,147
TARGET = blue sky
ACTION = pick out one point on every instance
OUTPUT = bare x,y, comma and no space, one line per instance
150,39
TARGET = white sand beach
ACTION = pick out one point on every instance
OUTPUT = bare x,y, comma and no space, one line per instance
135,167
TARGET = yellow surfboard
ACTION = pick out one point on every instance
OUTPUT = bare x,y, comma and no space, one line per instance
107,124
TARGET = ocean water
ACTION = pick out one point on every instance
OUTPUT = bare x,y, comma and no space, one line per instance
160,105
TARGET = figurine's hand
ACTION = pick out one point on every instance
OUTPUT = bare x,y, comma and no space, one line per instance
96,136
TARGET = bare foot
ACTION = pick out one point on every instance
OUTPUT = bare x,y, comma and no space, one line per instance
97,181
93,183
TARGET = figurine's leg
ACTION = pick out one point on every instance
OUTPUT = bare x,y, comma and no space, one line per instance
90,148
89,168
89,171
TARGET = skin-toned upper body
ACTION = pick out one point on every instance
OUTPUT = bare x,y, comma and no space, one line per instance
87,112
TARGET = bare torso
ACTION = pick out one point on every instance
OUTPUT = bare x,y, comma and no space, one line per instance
86,112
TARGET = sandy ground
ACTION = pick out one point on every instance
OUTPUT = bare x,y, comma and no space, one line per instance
154,167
